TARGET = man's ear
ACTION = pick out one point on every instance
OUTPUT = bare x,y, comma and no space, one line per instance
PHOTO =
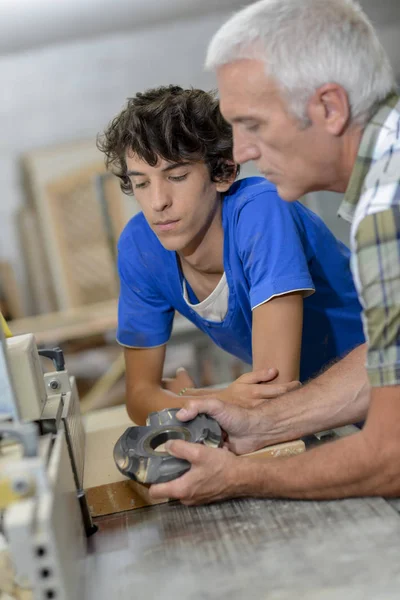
329,107
230,174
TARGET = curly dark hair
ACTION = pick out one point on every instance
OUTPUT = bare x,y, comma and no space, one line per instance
173,124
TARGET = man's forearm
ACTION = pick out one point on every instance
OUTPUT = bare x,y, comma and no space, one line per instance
337,397
366,463
345,468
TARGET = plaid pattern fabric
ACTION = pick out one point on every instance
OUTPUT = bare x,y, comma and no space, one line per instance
372,203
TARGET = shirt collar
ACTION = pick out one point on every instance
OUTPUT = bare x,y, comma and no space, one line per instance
365,156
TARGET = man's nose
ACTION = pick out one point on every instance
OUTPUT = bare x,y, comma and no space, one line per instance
243,149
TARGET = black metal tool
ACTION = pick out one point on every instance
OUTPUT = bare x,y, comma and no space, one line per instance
136,452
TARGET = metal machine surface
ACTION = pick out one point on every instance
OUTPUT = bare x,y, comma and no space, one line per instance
42,503
138,454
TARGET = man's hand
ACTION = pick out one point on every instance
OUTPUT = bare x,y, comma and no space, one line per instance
246,429
212,476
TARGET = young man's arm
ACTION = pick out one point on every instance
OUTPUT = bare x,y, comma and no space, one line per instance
276,341
144,392
276,335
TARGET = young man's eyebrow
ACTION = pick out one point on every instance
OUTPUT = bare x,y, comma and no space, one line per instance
129,173
176,165
167,168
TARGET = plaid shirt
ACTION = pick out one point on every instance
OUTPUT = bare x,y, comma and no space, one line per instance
372,203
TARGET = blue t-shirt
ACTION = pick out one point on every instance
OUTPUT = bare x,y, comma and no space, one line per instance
270,247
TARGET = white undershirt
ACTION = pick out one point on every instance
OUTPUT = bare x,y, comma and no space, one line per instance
215,306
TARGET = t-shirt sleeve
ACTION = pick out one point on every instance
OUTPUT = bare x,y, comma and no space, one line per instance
144,316
376,263
274,258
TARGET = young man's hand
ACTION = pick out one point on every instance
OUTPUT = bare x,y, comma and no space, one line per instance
248,391
182,381
212,476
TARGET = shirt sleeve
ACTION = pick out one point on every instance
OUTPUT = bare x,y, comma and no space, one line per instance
377,275
271,249
144,316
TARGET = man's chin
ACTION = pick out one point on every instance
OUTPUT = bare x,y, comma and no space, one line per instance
286,195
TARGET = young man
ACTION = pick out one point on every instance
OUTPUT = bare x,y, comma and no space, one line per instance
266,280
313,120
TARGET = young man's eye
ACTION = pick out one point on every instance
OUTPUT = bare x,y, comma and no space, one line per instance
139,186
178,177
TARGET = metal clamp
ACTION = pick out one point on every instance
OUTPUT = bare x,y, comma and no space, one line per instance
56,355
136,452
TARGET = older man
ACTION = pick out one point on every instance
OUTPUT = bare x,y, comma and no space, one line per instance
311,97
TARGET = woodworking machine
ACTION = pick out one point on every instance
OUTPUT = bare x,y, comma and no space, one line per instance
44,514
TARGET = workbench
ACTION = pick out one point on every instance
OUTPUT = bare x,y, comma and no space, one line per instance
248,549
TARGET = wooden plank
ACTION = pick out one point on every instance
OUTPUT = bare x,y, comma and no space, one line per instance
108,491
70,324
117,497
279,450
94,319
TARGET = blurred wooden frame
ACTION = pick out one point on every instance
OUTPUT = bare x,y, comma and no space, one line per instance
65,193
73,226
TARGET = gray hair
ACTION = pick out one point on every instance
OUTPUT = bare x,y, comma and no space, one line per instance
305,44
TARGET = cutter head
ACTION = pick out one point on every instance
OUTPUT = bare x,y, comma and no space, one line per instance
136,453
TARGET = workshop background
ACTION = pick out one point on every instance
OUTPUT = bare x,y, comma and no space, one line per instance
66,68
